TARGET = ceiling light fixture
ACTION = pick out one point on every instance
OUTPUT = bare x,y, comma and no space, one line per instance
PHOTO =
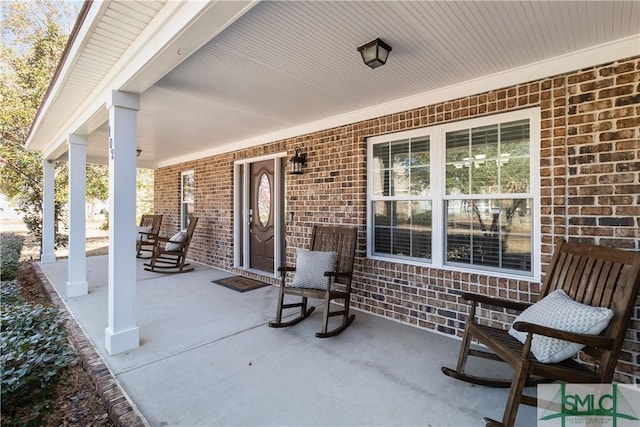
375,53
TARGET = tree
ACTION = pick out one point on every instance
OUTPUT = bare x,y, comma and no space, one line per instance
144,191
34,35
144,203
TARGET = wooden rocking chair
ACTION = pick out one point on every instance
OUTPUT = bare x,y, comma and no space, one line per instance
170,254
595,276
147,234
339,270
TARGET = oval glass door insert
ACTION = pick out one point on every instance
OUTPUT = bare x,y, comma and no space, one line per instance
264,200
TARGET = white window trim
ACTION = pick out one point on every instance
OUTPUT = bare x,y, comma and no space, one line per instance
182,175
437,138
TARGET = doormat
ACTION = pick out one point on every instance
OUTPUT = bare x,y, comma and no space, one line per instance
240,283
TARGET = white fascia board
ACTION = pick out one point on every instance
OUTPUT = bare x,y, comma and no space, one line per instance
595,55
172,20
56,149
154,53
184,35
95,104
91,20
177,24
92,117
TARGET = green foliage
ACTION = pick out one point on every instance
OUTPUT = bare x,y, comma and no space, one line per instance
37,42
105,223
37,33
35,351
97,186
144,199
32,217
10,247
144,191
10,292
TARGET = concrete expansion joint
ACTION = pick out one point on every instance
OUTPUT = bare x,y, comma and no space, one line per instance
193,347
122,411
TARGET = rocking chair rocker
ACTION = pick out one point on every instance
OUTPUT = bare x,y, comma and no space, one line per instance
596,280
336,246
170,254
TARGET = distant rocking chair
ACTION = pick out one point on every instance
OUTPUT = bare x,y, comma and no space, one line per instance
586,287
170,254
325,273
147,233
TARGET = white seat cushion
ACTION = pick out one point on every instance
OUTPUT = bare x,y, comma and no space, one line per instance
178,238
142,237
557,310
310,268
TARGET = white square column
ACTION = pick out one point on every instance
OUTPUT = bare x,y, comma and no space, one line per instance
122,333
77,277
47,250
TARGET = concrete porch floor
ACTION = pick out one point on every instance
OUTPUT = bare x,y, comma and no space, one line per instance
208,358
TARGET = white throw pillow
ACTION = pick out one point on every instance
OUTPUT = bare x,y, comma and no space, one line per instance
142,237
310,268
557,310
179,237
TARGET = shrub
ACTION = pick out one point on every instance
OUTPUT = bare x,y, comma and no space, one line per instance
35,351
10,247
105,223
10,293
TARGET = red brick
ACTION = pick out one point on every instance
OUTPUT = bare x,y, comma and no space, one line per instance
589,176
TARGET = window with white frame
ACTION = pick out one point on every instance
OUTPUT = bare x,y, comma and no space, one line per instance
401,198
186,198
463,195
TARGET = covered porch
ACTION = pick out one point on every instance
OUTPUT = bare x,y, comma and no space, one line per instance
201,88
207,357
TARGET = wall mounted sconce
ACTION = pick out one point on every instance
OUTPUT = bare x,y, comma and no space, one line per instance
375,53
138,152
297,162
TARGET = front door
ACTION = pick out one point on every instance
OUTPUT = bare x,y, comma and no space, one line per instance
261,216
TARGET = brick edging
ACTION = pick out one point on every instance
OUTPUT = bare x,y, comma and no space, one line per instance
120,408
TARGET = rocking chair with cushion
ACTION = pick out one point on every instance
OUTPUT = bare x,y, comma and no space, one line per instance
148,231
170,254
324,272
585,304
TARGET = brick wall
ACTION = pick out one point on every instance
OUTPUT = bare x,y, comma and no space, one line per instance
590,191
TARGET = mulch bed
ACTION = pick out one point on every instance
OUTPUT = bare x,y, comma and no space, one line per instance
87,395
77,402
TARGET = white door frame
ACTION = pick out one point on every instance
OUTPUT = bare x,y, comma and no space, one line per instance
241,198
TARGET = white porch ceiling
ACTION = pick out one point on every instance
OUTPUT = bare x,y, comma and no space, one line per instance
115,26
286,66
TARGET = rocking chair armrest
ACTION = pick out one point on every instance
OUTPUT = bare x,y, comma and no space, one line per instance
584,339
286,268
149,235
337,274
497,302
164,241
168,240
